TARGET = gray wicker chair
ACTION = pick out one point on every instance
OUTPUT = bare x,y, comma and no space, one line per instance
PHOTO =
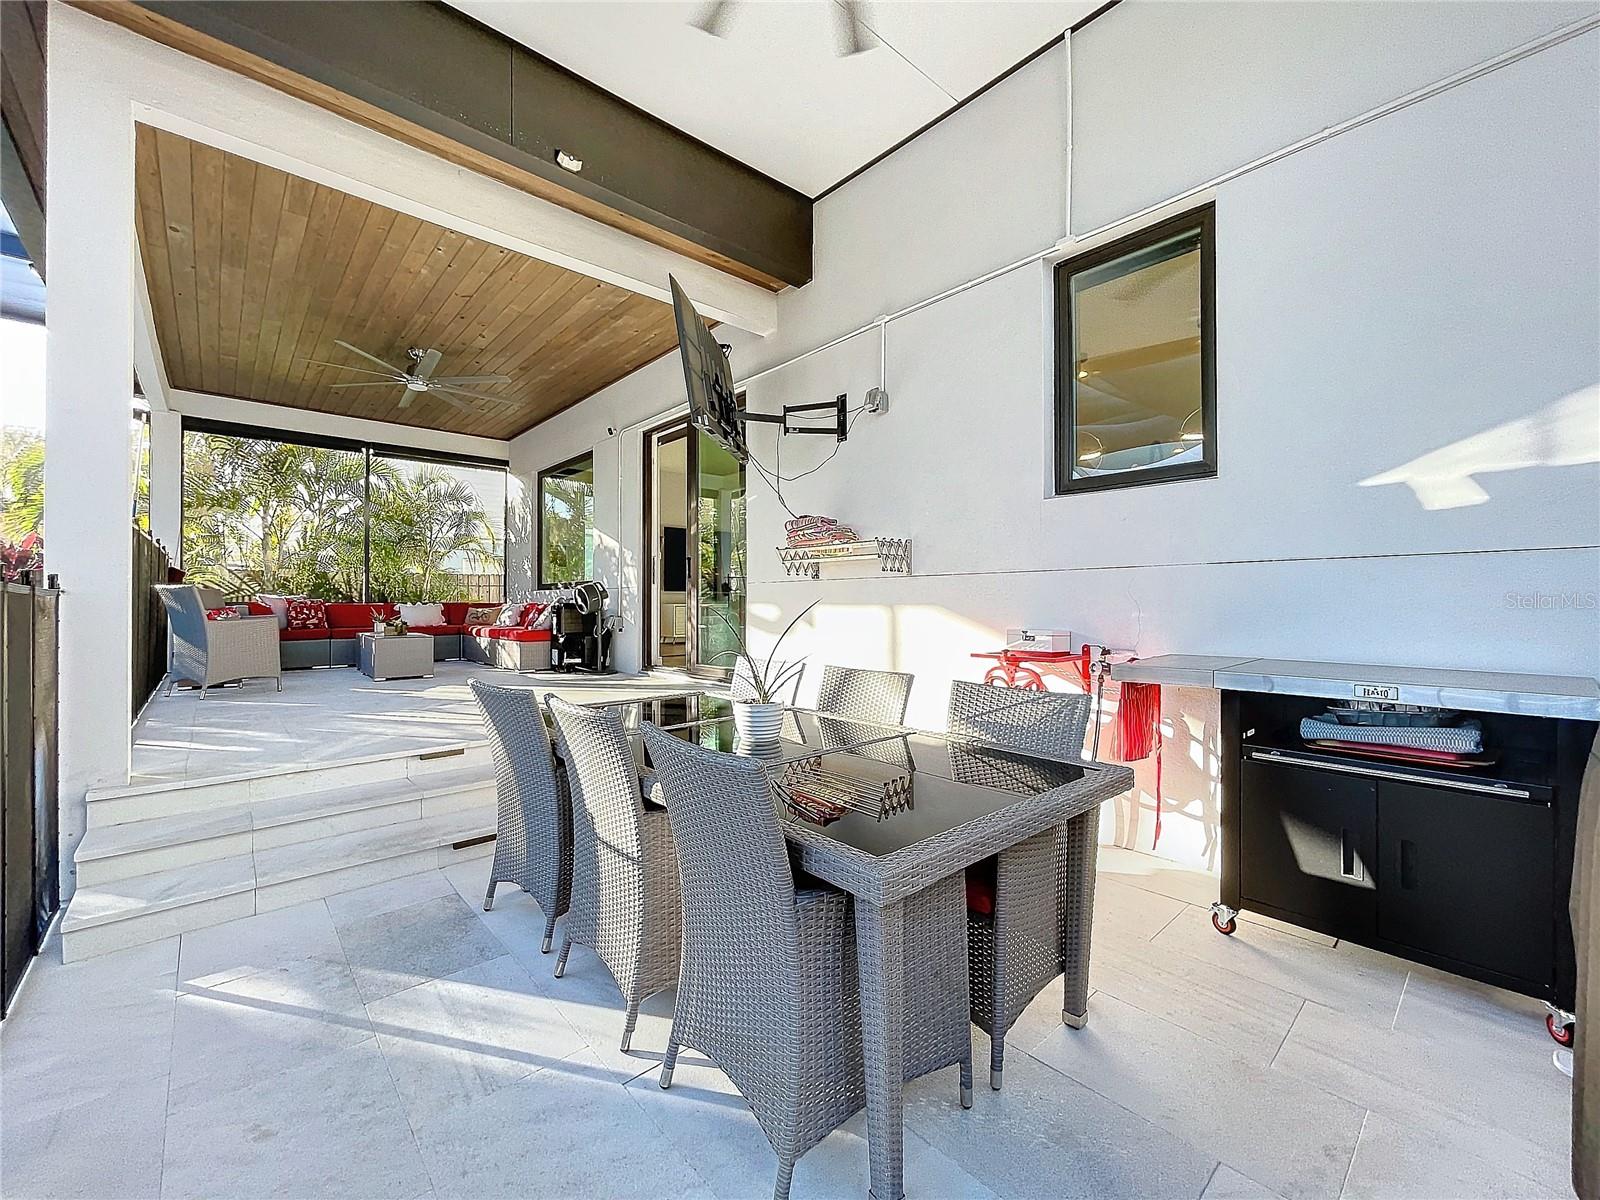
1041,890
533,840
625,902
208,653
768,985
865,695
780,1012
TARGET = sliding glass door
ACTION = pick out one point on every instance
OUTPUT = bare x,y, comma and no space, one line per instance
718,541
695,530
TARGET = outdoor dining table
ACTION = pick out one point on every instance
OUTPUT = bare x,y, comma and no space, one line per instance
884,812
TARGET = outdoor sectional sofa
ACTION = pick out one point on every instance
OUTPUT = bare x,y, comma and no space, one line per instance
515,649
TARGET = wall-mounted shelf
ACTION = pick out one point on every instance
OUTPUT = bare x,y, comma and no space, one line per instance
892,554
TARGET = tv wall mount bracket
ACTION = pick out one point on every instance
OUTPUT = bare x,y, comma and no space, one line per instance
840,429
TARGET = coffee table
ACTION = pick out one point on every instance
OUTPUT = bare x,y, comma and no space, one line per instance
403,656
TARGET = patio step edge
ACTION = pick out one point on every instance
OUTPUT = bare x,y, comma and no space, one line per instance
431,770
102,918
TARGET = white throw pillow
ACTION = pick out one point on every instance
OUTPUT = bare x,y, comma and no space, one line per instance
510,617
421,614
279,606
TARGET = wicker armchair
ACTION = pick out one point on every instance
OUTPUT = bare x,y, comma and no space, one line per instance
865,695
768,985
533,842
625,904
207,653
1041,891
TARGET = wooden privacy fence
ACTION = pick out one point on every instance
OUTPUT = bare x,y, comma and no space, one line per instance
29,887
149,627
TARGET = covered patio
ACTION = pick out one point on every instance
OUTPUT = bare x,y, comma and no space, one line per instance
1050,526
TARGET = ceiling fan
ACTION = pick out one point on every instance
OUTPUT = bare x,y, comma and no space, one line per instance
852,37
419,380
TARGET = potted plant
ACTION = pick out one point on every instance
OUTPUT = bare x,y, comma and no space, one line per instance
759,720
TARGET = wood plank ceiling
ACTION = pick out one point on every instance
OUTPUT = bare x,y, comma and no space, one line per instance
253,271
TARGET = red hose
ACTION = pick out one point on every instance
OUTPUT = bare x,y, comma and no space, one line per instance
1139,732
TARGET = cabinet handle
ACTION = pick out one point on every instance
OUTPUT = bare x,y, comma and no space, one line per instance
1407,855
1349,864
1459,785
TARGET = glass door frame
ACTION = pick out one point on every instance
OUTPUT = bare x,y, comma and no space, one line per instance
650,647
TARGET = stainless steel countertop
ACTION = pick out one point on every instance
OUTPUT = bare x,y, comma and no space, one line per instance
1566,696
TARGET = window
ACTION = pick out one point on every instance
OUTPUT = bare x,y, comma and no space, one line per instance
438,531
339,522
566,522
1136,359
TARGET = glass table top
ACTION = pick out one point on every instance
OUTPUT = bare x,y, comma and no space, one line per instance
876,788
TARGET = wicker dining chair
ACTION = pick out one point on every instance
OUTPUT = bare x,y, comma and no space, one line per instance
767,989
533,832
207,653
780,1015
625,901
878,696
1041,891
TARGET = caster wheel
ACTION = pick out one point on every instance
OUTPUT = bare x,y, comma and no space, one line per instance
1228,926
1560,1033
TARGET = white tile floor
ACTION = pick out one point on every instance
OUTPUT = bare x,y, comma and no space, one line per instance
336,713
399,1042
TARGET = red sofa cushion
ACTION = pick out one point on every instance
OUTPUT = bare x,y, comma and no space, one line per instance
257,609
307,614
435,630
456,614
358,616
519,635
345,635
303,635
981,886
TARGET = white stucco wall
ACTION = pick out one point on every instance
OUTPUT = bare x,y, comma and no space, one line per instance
1407,361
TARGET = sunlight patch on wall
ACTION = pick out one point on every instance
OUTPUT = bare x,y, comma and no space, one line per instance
1563,434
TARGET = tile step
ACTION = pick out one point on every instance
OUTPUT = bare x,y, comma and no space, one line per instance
111,852
143,908
117,805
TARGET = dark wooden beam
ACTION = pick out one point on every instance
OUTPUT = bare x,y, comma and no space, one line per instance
427,75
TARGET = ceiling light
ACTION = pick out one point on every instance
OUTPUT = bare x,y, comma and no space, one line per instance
568,162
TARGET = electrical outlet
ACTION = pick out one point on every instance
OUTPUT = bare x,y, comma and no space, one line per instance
877,400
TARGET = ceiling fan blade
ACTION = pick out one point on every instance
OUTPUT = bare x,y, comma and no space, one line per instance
474,395
452,401
406,397
368,357
388,383
714,18
452,380
428,363
317,362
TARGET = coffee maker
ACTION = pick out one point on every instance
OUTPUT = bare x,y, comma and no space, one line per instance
581,633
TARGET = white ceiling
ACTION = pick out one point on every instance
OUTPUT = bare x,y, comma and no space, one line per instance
773,90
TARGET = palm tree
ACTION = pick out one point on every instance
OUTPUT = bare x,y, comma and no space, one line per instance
277,517
21,483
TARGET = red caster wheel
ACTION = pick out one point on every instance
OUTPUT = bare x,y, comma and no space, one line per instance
1560,1031
1228,926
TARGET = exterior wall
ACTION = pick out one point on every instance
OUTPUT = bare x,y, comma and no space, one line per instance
1407,376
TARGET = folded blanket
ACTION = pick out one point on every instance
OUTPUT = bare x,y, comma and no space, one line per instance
1466,738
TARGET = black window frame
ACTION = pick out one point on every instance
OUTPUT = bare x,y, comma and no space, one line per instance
369,450
538,524
1066,400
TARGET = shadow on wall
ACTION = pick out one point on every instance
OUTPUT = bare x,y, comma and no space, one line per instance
1565,433
936,645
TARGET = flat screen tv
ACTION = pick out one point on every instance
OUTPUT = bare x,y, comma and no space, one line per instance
713,406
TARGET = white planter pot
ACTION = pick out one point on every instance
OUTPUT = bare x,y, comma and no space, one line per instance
757,724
